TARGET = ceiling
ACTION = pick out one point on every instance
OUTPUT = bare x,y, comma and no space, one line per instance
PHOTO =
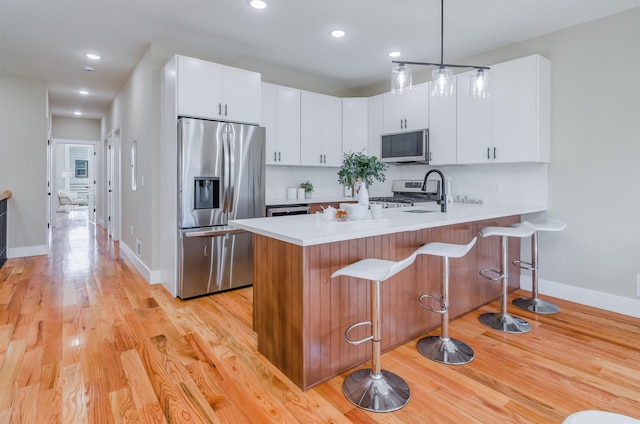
46,39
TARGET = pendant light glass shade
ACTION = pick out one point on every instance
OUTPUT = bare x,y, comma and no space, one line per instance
442,82
401,79
480,84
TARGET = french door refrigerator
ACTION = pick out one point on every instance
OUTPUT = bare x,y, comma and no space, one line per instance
220,177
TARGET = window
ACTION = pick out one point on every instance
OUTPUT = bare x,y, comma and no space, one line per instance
82,168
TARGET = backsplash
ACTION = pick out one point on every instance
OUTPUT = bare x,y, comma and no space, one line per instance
509,184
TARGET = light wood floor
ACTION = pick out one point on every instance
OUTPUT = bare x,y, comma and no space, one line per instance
83,338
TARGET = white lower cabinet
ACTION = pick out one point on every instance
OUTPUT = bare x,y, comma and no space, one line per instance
320,130
280,116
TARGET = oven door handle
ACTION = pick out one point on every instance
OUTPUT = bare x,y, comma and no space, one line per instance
287,209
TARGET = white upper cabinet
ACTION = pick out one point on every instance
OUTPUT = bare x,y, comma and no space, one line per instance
474,124
240,95
320,130
213,91
199,88
521,110
406,112
355,113
376,125
443,128
280,115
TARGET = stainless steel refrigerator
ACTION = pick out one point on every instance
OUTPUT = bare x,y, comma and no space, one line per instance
220,177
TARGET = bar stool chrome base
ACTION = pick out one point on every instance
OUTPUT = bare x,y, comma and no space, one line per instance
538,306
384,392
451,351
505,323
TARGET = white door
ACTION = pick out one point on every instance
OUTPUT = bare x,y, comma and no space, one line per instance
113,186
91,210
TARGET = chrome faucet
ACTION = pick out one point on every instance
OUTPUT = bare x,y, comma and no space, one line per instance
442,196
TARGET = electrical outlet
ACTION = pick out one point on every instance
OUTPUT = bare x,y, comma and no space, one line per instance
495,187
138,248
132,230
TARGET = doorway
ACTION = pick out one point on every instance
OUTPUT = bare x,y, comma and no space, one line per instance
112,195
75,174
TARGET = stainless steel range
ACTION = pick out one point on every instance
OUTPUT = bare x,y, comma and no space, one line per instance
409,193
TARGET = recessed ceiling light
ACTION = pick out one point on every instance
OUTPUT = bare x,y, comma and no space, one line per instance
395,54
83,92
338,33
77,113
92,56
258,4
89,69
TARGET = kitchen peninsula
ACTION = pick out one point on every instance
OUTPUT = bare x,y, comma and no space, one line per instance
300,313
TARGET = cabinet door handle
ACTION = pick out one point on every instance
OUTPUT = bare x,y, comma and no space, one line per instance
220,109
275,157
488,153
225,110
401,124
325,158
494,152
405,124
279,156
430,156
320,158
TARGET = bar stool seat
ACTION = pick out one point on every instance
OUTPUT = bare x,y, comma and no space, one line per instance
599,417
442,348
502,321
374,389
534,303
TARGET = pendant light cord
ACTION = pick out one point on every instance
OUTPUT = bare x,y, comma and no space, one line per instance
441,34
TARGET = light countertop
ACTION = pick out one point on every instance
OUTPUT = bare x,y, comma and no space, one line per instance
307,230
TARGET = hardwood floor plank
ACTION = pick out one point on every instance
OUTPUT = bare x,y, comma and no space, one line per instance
123,408
10,372
25,405
83,338
72,384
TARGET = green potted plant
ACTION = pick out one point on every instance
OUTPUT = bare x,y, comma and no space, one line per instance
308,188
361,170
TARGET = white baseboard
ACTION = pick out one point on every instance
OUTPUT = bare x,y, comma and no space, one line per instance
21,252
152,277
606,301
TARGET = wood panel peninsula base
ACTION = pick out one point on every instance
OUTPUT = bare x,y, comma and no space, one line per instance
300,313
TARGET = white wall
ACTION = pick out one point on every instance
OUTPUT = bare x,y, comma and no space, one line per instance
595,151
136,112
63,127
23,158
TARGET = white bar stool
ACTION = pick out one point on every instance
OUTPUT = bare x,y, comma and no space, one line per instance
534,303
374,389
599,417
442,348
502,321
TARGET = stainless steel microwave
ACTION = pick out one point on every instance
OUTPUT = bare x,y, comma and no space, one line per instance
409,146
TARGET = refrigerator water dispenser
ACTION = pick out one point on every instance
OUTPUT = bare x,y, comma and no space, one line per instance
206,192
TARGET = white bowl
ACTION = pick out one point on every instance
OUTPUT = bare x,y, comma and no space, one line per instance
357,211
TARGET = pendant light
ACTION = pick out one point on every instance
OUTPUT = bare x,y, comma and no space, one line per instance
441,78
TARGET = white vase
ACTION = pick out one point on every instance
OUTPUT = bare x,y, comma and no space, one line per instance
363,193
